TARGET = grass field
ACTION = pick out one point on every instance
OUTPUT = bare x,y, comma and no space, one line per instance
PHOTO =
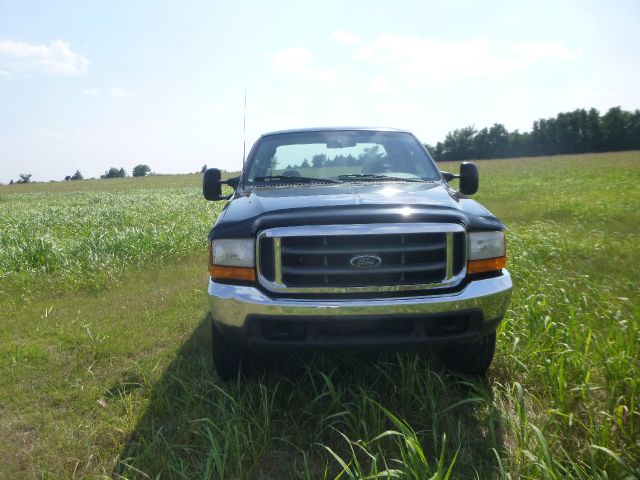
105,364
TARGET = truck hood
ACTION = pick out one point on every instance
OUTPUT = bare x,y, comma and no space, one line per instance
254,209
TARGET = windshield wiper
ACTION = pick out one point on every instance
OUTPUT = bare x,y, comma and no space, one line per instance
294,179
375,176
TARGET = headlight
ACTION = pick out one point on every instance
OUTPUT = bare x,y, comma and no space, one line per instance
234,252
232,259
487,252
486,245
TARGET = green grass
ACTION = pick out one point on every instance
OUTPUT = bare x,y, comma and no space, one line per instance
105,363
86,234
154,181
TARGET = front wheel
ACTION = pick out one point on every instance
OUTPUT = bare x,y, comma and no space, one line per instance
470,358
229,359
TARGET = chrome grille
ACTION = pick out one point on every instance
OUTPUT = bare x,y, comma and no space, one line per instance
320,259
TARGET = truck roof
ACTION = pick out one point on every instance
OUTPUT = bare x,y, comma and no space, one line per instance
335,129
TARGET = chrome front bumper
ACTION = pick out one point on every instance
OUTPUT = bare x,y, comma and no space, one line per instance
233,306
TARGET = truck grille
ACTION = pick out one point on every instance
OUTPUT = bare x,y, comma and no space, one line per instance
361,258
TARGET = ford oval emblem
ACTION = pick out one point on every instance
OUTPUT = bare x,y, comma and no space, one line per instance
366,261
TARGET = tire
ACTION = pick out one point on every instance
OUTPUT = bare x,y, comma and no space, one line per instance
230,359
470,358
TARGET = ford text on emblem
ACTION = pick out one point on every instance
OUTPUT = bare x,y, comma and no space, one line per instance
366,261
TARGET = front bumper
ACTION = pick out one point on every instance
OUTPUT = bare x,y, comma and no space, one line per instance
239,312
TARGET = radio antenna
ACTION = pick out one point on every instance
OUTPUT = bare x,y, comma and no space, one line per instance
244,127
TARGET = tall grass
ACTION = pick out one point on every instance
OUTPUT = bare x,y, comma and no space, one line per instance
87,240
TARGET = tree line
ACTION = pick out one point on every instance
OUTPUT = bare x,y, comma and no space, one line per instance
138,171
580,131
113,172
320,160
141,170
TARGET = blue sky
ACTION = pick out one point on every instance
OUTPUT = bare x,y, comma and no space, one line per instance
92,84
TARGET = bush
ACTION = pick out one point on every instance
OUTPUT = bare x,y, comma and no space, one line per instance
24,178
141,170
113,172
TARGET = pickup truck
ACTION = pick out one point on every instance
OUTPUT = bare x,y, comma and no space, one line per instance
352,238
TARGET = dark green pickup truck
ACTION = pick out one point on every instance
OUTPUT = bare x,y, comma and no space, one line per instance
347,238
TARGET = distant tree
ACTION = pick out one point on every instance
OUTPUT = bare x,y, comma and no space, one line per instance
77,176
24,178
634,130
203,169
520,144
499,140
458,145
305,164
439,151
371,154
67,178
318,160
579,131
579,127
615,129
140,170
371,160
338,161
593,132
113,172
11,182
491,142
431,149
482,144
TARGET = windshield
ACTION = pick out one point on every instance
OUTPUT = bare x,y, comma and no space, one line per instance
340,156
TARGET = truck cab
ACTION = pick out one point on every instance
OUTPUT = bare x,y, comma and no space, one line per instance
352,238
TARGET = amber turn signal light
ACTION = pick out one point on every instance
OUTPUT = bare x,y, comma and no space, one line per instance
486,265
233,273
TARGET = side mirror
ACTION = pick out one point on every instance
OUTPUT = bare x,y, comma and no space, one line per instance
448,176
233,182
212,184
468,178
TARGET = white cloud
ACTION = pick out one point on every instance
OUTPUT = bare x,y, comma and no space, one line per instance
278,121
291,60
118,92
381,86
324,76
435,62
529,53
299,61
51,133
343,36
395,108
90,91
18,58
166,123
